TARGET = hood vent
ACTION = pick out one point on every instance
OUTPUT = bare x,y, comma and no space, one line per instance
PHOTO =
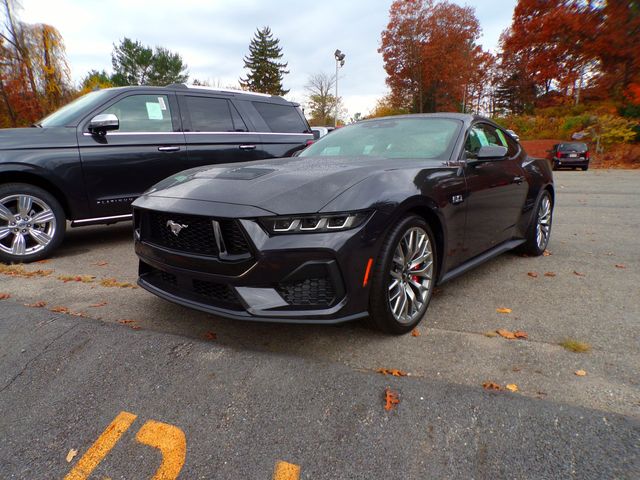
244,173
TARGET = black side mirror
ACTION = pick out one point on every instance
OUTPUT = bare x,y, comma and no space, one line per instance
102,123
488,153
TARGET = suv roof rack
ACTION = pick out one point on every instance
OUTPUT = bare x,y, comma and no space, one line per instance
227,90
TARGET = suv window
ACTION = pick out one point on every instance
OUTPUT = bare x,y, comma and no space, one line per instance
281,118
481,135
213,115
142,113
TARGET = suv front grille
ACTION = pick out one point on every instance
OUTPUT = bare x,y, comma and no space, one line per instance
196,235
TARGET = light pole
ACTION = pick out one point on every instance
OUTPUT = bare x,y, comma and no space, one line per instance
339,56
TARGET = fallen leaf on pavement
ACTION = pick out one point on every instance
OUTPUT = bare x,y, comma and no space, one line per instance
491,386
71,455
512,387
547,253
506,334
112,282
43,261
521,334
101,264
79,314
620,265
490,334
392,371
4,296
503,310
210,335
126,322
39,304
415,332
580,373
533,274
579,274
96,305
391,399
549,274
59,310
136,327
77,278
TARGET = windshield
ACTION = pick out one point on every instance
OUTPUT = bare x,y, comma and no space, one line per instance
417,137
71,113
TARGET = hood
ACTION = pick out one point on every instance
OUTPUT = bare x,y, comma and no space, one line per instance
35,137
282,186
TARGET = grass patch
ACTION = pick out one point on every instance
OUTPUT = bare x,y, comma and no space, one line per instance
575,346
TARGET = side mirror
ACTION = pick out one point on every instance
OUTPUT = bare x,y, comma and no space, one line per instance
491,152
102,123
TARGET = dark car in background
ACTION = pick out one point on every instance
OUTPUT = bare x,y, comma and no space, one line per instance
569,155
89,160
362,224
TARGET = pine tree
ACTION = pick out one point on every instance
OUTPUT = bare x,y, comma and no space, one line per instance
265,71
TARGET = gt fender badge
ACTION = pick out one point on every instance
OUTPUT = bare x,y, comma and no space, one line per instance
176,228
457,199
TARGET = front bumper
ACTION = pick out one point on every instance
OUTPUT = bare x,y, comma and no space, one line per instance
296,278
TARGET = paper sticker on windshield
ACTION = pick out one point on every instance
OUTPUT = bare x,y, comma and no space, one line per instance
153,111
163,106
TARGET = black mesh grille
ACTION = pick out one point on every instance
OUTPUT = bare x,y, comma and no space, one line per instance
309,292
196,235
217,292
234,238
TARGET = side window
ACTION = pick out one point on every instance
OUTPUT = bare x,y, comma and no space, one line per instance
512,146
142,113
482,135
213,115
281,118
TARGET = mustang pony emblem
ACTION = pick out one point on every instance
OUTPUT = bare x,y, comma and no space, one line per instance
176,228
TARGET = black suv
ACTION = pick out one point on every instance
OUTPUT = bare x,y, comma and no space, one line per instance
89,160
569,155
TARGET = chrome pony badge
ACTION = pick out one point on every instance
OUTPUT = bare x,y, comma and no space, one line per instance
176,228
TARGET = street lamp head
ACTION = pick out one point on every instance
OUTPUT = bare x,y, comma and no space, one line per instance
339,56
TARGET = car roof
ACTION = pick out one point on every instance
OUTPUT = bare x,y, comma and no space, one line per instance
240,94
466,118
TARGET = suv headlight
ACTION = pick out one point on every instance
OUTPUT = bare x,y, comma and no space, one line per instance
319,223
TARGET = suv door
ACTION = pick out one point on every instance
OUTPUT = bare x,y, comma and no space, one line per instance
215,132
496,190
147,147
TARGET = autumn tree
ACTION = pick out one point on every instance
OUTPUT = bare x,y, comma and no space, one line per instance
95,80
136,64
430,54
321,102
34,76
266,71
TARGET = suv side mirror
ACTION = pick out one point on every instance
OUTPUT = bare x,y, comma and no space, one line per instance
103,122
491,152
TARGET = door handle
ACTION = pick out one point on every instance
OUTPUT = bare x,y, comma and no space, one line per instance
518,180
168,149
247,147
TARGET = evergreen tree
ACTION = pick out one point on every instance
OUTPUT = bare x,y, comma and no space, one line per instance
136,64
265,71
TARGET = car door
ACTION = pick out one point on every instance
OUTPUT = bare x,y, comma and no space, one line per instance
496,190
147,147
215,132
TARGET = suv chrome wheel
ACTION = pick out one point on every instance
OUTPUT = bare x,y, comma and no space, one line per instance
544,223
27,225
411,275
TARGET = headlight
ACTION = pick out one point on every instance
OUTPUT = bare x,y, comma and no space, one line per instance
320,223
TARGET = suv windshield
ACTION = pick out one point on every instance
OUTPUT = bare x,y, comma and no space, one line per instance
390,138
70,114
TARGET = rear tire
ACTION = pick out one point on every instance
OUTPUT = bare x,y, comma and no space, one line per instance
404,277
539,231
584,169
32,223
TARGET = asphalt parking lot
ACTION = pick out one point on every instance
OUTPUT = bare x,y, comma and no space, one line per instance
236,398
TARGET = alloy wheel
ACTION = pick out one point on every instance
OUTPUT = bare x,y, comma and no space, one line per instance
544,223
411,274
27,225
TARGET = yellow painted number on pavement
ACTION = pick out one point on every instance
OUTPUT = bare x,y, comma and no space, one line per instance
168,439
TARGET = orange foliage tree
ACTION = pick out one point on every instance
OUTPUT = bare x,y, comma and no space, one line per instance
431,57
34,76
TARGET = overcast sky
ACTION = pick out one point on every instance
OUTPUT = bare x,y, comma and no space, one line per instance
213,36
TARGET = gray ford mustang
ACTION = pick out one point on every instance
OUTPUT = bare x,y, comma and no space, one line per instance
362,224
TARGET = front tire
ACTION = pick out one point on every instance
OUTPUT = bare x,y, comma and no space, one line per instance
404,277
32,223
539,231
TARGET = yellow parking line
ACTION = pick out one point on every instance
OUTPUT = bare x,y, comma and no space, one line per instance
172,444
286,471
101,447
